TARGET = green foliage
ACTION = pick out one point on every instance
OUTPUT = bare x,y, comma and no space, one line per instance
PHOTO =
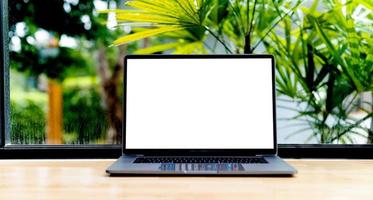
190,23
84,119
182,20
55,61
324,52
42,52
323,63
84,115
55,64
27,123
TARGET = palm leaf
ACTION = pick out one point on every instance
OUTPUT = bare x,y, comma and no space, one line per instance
173,9
146,17
367,3
336,54
152,6
194,47
157,48
145,34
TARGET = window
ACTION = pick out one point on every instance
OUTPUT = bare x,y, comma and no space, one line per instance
62,79
65,82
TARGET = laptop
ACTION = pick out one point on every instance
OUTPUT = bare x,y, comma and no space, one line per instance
199,115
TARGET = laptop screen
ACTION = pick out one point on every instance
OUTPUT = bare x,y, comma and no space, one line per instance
199,103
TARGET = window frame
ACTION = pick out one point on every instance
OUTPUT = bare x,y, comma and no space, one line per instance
15,151
3,71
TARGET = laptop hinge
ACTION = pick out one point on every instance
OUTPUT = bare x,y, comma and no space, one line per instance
262,155
133,155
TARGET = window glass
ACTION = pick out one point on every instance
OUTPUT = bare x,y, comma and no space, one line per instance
65,80
66,62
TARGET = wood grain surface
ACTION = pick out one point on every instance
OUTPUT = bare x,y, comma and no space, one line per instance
86,179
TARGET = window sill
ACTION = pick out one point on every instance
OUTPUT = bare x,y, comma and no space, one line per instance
114,151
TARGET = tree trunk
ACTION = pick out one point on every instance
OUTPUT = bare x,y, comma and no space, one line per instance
247,48
54,132
110,83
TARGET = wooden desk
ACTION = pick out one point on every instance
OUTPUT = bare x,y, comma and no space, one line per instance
86,179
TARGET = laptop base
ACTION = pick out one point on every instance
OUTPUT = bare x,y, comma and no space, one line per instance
275,166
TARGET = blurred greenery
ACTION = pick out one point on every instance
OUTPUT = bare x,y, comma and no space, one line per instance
65,41
27,123
84,117
82,103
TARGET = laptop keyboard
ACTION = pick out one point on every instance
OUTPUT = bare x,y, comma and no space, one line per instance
247,160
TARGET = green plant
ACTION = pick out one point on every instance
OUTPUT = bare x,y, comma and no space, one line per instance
84,118
27,123
324,57
326,62
237,26
86,50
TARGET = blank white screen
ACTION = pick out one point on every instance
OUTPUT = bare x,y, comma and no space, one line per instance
199,104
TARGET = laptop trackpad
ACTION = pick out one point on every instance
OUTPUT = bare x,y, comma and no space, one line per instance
201,167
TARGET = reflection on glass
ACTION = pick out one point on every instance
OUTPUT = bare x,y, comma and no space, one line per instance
65,80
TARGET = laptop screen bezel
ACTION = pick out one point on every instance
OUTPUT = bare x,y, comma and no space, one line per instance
210,152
